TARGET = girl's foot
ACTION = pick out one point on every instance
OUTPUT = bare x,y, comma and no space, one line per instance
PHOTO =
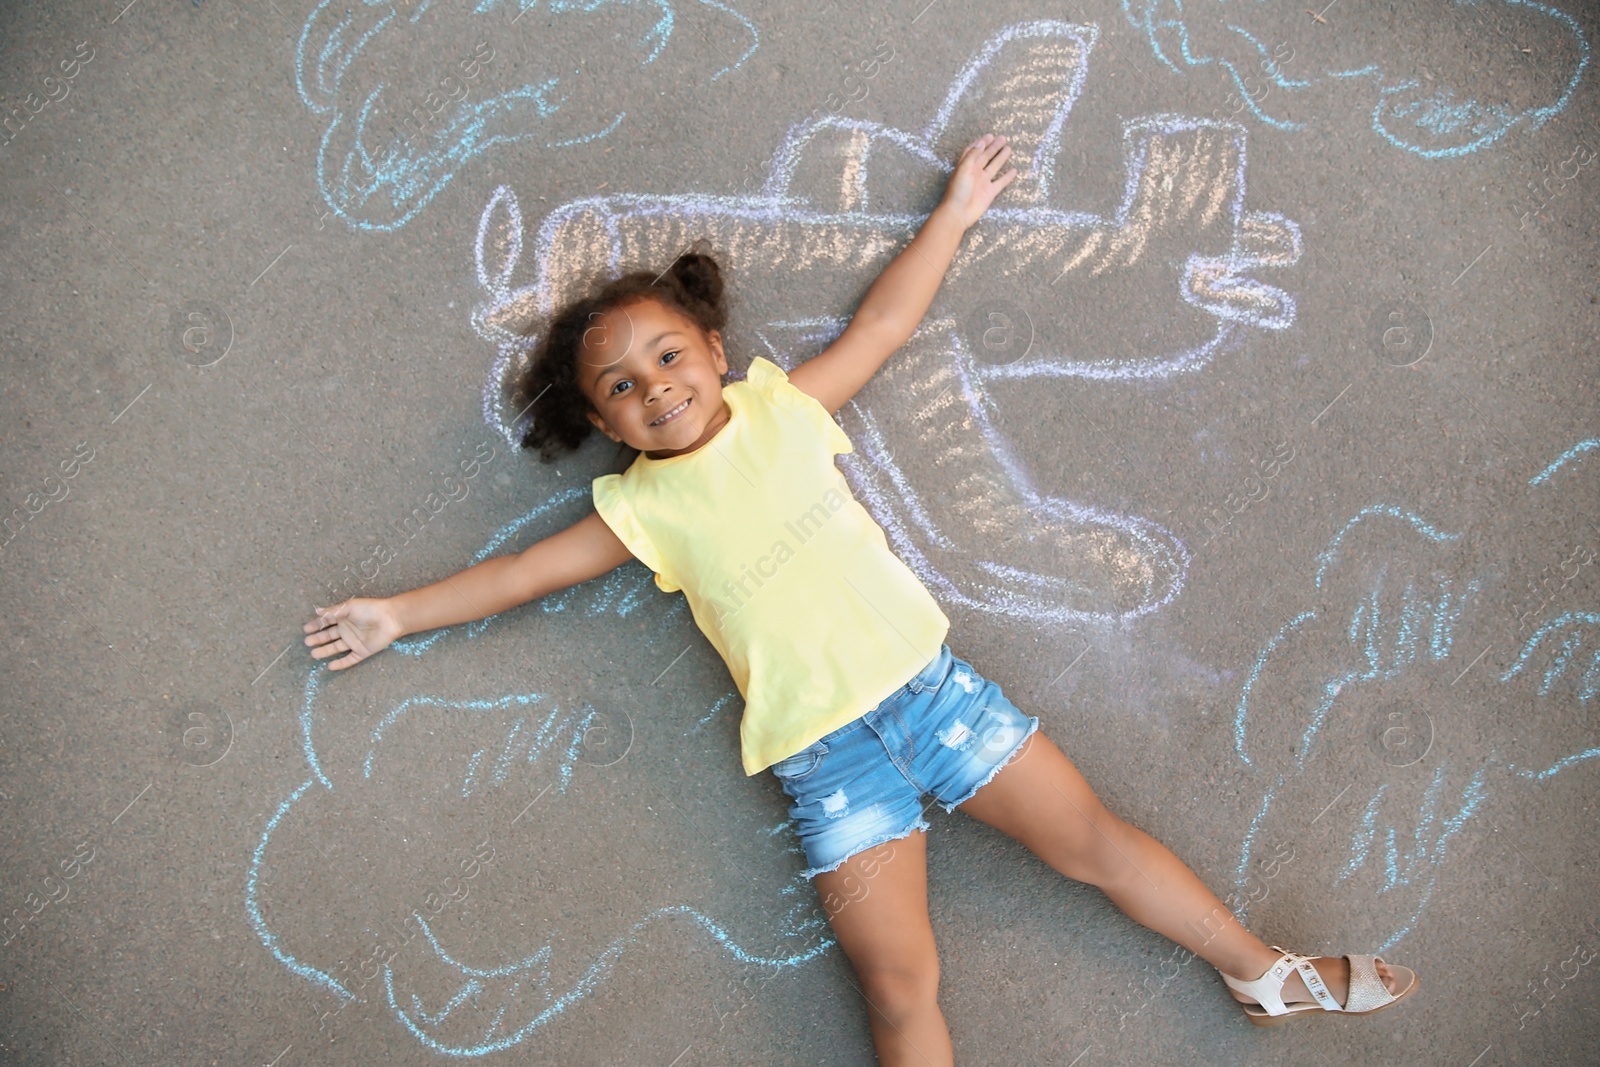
1335,972
1297,985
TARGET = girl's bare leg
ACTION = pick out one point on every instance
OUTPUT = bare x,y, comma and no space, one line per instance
1040,799
877,902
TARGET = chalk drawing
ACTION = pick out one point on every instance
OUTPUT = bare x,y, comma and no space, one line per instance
1468,108
1571,640
1397,630
1384,637
724,701
371,175
1576,452
843,196
1577,627
360,767
1183,204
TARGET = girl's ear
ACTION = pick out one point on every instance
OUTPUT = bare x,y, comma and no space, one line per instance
600,424
714,339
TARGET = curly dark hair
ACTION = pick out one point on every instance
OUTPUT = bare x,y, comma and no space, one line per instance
559,419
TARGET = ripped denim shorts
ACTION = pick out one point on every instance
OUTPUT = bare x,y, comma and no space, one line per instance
946,732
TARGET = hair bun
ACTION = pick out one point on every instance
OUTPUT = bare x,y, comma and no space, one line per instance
699,275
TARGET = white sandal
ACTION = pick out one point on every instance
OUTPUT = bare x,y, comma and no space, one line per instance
1366,994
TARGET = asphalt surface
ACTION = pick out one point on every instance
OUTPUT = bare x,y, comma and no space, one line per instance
1252,444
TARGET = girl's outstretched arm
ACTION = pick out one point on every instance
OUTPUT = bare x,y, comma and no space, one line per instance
362,626
899,298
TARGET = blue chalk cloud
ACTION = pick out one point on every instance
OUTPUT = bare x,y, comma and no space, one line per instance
364,67
1465,108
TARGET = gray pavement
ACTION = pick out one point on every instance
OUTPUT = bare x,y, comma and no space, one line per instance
1252,444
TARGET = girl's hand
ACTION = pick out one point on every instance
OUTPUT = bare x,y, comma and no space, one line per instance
360,626
977,179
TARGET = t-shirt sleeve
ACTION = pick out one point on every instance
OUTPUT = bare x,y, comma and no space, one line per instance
612,504
771,380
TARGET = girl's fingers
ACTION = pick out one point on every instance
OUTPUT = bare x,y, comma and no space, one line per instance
350,658
322,635
355,655
980,144
325,617
998,160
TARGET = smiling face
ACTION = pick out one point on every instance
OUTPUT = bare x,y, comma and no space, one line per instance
653,378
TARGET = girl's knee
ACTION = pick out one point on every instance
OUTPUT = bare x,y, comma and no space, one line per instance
1106,857
899,992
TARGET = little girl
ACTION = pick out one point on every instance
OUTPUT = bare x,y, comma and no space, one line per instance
851,696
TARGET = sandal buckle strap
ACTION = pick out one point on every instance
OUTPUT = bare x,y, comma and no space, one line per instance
1317,988
1267,990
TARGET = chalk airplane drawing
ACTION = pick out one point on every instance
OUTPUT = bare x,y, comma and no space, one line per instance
1470,106
1380,645
350,834
842,197
371,176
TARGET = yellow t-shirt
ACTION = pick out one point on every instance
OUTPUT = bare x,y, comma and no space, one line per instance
788,576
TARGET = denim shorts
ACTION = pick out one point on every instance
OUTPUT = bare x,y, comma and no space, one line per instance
946,732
